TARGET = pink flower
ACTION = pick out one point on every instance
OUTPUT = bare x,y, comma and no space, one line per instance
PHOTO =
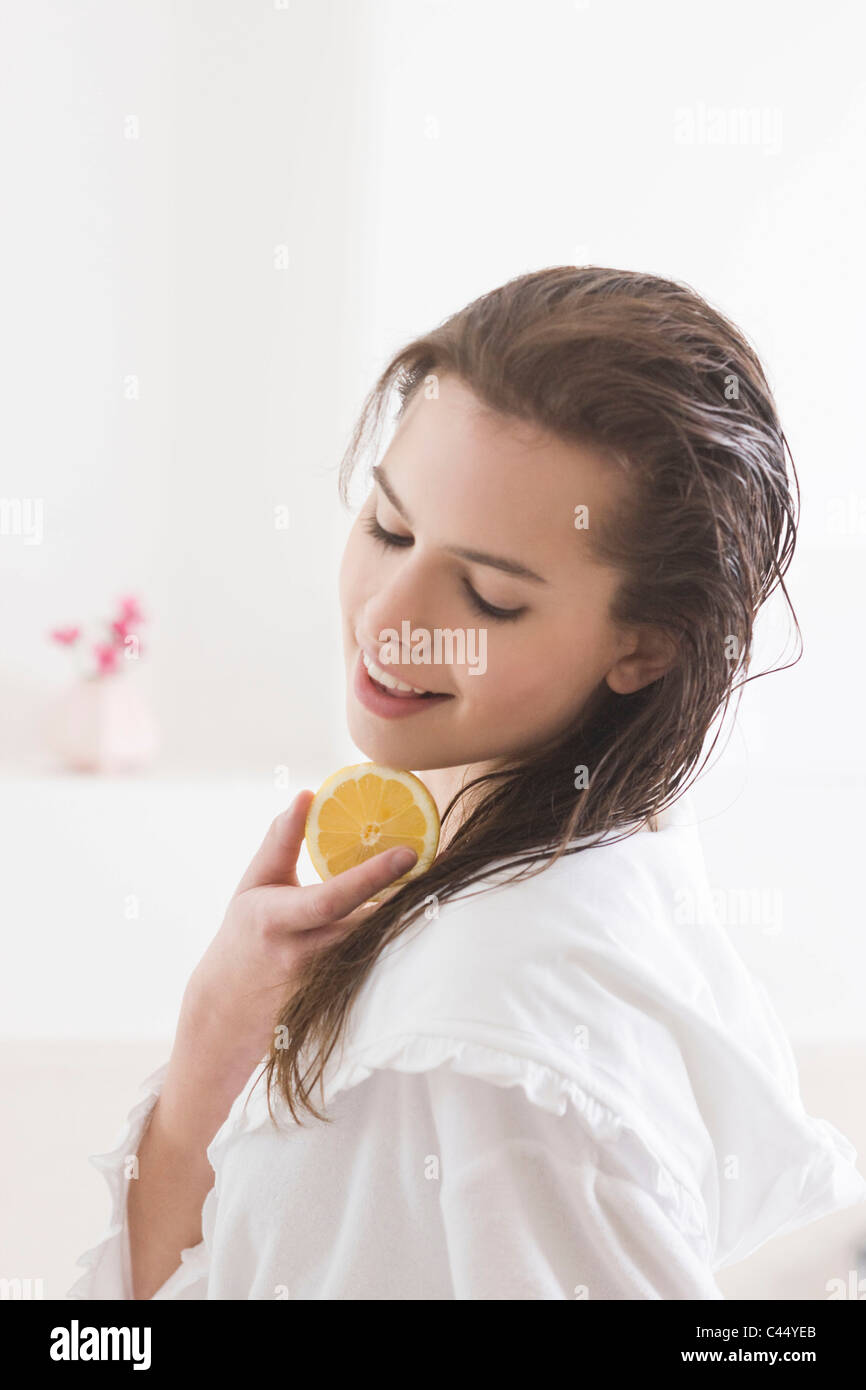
130,611
118,638
106,657
129,642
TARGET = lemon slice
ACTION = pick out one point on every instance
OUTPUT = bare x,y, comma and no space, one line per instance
365,809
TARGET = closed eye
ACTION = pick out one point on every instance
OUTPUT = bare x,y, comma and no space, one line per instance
386,537
487,610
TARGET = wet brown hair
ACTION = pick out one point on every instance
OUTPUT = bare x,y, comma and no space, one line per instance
646,371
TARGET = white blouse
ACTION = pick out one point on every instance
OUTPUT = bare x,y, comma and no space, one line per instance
567,1087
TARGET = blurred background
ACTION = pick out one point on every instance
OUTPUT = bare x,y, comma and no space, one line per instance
220,220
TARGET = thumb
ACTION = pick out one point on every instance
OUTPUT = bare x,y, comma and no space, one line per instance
276,859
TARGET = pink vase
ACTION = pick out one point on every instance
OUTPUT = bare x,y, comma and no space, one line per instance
104,724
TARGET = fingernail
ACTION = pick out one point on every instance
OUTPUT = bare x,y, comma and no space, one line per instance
403,859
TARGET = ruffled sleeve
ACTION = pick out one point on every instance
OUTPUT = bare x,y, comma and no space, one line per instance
108,1273
545,1190
541,1205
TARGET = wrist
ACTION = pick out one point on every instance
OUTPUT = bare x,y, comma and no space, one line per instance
208,1068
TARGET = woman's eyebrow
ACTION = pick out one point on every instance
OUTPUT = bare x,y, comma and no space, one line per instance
478,557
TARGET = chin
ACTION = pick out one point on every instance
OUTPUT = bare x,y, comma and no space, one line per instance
378,745
391,746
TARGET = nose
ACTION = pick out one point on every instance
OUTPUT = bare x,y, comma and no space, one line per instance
408,602
405,596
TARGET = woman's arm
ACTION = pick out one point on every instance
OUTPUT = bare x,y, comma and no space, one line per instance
226,1028
174,1174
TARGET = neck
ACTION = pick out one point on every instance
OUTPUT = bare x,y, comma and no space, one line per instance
443,783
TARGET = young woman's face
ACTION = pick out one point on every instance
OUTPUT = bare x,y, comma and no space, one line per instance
457,489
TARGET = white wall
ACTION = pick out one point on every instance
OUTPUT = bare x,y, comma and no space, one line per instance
154,257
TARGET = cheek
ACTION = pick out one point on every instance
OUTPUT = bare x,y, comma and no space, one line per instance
350,584
514,672
548,671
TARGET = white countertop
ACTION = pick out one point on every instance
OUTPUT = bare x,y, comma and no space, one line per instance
112,887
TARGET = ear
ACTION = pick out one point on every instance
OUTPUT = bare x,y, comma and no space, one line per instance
651,653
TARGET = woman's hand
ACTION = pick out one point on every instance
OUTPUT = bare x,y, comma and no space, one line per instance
271,924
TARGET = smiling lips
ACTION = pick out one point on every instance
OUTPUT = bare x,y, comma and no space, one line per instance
389,701
390,683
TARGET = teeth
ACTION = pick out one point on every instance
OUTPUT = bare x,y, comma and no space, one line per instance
385,678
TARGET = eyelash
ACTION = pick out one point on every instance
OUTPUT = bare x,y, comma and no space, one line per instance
487,610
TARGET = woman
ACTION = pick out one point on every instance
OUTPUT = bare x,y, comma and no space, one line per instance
562,1083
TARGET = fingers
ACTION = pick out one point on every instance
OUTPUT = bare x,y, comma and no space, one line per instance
276,859
321,904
